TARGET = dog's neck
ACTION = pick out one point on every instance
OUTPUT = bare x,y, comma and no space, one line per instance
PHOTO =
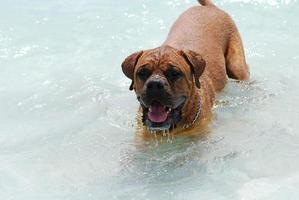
194,103
195,118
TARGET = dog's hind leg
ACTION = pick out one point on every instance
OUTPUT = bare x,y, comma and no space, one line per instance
235,62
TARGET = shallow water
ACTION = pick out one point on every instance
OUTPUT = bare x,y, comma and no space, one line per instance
67,118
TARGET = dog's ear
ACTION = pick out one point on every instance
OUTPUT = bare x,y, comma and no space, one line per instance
129,64
197,64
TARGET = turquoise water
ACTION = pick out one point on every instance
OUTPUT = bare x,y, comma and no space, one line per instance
67,118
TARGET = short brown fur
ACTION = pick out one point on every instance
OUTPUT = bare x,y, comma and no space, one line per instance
207,35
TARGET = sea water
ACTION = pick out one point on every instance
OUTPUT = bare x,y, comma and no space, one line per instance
67,117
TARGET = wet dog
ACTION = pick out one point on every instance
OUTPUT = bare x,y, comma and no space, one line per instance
176,83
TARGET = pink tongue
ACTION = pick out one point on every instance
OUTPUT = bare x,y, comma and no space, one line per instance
157,113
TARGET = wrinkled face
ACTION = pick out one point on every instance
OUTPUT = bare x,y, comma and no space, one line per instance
163,80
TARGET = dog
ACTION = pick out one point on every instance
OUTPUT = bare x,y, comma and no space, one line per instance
176,83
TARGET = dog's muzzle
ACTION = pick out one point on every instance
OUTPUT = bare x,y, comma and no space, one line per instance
161,110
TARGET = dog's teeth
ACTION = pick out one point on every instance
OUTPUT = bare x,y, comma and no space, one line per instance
150,109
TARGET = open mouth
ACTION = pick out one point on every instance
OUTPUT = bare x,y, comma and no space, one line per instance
160,117
157,112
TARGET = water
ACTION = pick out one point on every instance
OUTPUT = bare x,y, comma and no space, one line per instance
67,118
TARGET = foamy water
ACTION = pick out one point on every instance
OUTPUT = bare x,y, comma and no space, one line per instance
67,118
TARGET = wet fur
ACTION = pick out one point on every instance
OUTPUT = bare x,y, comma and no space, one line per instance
206,31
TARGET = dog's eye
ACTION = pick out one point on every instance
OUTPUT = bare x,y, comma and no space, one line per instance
173,74
143,73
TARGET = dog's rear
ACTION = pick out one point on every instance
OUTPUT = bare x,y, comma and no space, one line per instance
212,33
236,66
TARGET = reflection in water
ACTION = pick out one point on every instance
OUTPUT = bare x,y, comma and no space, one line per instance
159,160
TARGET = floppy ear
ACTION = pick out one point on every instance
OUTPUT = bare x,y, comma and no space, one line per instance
197,64
129,64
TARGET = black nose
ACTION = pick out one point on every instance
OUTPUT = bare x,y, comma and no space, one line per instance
155,86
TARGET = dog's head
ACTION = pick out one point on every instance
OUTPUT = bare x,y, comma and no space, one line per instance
163,80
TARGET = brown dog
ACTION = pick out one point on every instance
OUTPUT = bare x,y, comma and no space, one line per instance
176,83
